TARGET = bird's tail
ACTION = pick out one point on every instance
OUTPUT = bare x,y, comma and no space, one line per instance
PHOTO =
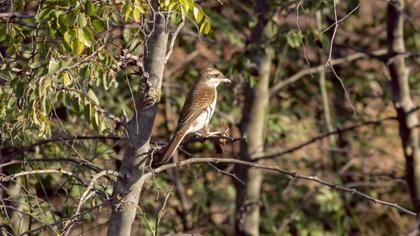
176,140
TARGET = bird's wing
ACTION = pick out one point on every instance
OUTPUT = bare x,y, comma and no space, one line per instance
197,101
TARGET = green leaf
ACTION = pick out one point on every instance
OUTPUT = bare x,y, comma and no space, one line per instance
18,5
96,121
137,11
69,36
63,21
44,14
53,66
87,112
85,36
65,76
205,26
92,96
294,39
126,10
98,25
81,20
172,6
190,4
90,8
198,14
77,46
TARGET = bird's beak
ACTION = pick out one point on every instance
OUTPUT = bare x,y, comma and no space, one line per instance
226,80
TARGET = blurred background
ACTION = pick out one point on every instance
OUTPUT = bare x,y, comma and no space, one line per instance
342,110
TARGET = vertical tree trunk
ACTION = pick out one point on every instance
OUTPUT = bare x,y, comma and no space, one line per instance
247,200
407,117
253,126
128,187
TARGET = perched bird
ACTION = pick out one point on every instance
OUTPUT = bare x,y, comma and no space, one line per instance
198,108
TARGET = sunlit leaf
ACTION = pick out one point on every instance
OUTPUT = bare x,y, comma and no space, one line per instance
66,78
85,36
93,97
81,20
53,66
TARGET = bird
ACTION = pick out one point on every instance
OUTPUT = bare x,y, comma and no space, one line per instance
198,108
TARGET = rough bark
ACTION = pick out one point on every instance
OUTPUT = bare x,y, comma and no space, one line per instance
128,188
253,126
402,100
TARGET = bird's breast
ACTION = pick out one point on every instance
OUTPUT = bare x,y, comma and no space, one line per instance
203,119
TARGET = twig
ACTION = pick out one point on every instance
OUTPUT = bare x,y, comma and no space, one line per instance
328,63
278,170
79,161
161,213
284,83
86,195
227,173
28,148
173,39
81,61
342,19
322,136
31,232
4,178
334,33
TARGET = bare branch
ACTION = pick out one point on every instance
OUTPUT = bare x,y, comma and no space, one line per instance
4,178
276,169
78,161
342,19
284,83
173,39
86,195
18,150
322,136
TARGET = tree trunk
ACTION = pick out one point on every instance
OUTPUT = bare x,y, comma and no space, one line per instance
253,126
128,187
407,117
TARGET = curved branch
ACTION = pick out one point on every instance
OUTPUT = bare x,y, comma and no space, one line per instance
322,136
286,82
276,169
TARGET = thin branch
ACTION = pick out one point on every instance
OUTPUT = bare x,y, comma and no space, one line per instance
78,161
4,178
217,137
342,19
162,212
60,221
334,33
322,136
18,150
293,175
86,195
284,83
232,175
173,39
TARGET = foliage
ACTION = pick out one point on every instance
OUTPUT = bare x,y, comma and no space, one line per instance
62,74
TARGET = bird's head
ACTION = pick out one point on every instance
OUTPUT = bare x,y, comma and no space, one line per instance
212,77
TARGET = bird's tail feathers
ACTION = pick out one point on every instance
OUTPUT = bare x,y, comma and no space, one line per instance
176,141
